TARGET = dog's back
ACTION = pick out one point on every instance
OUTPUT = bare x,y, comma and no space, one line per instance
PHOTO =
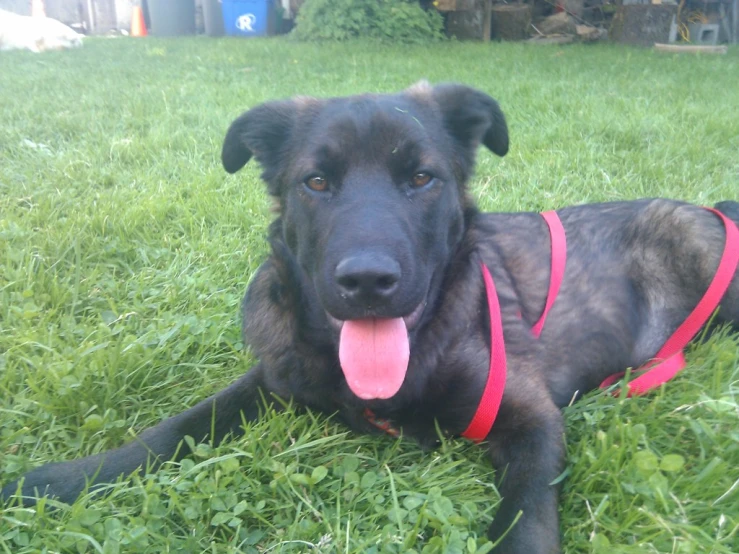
730,209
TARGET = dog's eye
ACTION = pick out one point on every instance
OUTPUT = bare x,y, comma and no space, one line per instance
317,183
421,179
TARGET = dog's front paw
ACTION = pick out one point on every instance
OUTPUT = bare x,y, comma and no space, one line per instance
61,481
517,535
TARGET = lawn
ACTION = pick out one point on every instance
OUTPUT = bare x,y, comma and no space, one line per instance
125,249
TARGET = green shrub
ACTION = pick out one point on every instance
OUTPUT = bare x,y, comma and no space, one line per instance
392,20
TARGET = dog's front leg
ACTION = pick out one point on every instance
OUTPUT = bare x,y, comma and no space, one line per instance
212,419
527,449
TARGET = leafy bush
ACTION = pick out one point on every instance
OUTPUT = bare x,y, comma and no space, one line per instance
392,20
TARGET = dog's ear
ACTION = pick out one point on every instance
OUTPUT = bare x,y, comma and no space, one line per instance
260,132
472,117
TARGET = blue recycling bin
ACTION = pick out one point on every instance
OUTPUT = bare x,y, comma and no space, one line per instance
247,18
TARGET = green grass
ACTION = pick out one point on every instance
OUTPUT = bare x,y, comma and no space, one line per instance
125,249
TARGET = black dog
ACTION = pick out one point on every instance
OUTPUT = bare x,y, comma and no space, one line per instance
373,302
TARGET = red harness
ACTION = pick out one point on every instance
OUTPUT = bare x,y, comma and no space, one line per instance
663,367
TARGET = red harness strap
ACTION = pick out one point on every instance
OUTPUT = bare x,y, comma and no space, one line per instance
487,409
671,359
492,395
666,363
558,241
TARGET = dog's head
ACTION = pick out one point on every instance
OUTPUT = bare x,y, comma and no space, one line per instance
372,200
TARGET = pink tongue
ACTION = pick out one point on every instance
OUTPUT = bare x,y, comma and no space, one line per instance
374,356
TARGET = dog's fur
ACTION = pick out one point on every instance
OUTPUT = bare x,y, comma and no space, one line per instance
634,272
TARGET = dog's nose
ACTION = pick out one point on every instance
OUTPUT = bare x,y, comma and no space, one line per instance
367,279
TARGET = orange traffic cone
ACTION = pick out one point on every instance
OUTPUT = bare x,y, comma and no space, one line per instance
138,27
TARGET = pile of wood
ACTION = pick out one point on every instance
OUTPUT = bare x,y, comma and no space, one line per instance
563,27
545,20
638,22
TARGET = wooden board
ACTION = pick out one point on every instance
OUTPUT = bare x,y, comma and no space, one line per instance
691,48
